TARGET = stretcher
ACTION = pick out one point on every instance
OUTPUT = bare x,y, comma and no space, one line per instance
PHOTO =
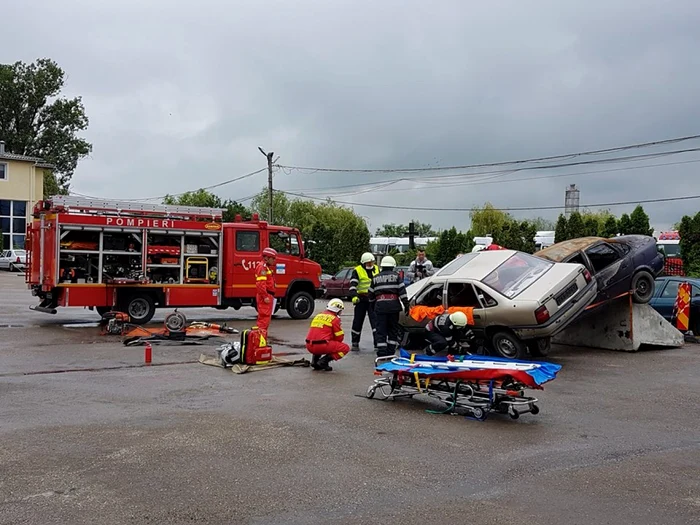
477,385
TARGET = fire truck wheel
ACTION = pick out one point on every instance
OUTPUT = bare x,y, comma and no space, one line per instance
300,305
140,308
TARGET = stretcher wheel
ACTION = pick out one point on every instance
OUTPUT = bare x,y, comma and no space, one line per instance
478,413
514,414
534,409
370,392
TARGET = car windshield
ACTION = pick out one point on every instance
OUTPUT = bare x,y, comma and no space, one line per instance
671,250
20,253
516,274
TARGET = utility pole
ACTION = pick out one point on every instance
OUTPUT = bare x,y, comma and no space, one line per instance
269,179
411,235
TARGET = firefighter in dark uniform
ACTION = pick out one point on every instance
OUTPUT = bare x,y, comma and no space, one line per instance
446,331
360,280
388,293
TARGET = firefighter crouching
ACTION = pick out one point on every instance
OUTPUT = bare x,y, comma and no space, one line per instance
265,290
360,280
446,331
388,293
325,337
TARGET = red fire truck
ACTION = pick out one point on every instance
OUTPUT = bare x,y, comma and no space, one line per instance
136,257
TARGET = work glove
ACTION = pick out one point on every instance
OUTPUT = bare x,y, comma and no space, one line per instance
355,300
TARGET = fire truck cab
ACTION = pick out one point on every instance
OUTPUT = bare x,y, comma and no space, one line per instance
136,257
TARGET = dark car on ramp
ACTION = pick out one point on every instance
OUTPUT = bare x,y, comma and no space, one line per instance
628,263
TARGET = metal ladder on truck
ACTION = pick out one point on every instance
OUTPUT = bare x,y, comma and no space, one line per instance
85,205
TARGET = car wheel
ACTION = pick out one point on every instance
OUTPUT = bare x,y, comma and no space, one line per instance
540,347
642,287
508,345
300,305
140,308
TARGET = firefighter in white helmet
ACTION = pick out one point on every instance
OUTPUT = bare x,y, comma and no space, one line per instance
446,331
325,337
360,280
388,293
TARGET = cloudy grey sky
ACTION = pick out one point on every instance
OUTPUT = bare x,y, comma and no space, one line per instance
181,94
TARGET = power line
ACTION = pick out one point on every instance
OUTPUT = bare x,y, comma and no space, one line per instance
217,185
492,164
534,208
380,189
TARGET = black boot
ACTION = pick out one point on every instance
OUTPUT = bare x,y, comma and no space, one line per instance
323,364
314,361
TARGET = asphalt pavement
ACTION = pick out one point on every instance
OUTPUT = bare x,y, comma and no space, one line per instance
89,435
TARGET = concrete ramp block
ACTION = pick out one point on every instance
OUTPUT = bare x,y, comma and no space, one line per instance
619,325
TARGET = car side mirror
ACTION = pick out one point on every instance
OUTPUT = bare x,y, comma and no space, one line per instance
333,278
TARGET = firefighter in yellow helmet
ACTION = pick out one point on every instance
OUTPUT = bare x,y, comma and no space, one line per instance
360,280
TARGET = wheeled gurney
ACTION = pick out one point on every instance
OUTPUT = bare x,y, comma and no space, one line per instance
477,385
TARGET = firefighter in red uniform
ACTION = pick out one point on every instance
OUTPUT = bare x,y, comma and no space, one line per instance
325,337
265,289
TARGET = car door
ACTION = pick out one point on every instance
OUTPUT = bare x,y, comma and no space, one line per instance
462,293
334,286
665,300
611,269
4,260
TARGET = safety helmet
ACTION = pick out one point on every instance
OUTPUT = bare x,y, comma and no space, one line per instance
458,319
388,262
269,252
366,258
335,305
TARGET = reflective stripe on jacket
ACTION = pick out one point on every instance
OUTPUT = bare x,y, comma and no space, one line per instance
361,280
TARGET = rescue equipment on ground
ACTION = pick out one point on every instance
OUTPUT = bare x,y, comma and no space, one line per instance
114,323
476,384
174,330
252,349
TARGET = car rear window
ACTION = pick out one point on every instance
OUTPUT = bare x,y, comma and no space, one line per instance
516,274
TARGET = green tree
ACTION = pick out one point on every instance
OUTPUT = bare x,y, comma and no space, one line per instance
517,235
487,220
207,199
590,227
448,244
561,231
610,227
542,224
624,224
639,222
401,230
280,207
37,122
689,230
575,227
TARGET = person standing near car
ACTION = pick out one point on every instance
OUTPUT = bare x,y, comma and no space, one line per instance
421,267
360,281
265,290
388,293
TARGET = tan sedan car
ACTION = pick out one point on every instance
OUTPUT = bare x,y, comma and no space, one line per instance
519,301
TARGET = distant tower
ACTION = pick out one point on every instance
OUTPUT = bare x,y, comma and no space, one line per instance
571,201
